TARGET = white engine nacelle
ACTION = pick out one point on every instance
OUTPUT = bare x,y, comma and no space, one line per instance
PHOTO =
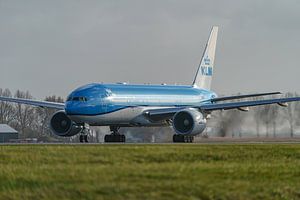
189,122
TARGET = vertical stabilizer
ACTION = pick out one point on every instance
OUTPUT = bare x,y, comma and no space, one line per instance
205,70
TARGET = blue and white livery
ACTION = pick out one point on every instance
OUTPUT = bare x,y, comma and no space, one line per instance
186,108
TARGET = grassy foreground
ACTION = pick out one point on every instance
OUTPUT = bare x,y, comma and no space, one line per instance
150,171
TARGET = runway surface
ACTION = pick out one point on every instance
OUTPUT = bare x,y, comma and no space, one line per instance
198,140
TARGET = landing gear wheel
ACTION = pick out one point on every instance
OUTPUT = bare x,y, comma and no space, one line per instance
123,138
84,133
177,138
81,138
85,137
106,138
114,138
183,138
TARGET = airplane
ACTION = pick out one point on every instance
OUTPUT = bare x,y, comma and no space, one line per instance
184,107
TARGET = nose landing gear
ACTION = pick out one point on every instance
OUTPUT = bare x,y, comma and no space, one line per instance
115,136
83,138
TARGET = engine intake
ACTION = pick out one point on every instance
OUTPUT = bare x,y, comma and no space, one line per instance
189,122
62,125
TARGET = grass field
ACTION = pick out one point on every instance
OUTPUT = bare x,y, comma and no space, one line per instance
194,171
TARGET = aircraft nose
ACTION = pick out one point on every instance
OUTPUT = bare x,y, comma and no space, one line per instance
71,108
82,108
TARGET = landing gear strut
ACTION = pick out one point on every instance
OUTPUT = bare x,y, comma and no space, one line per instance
183,138
115,136
83,138
84,134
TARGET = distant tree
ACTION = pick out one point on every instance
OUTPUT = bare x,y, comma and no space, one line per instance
266,118
274,117
43,116
236,122
257,114
229,122
6,109
24,114
291,113
221,122
297,113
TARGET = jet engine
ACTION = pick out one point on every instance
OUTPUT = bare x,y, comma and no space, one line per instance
62,125
189,122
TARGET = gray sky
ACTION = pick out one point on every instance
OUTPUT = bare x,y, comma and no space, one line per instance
52,47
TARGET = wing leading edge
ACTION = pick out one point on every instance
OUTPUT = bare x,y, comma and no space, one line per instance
46,104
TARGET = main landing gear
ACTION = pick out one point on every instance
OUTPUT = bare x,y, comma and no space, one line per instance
115,136
83,138
84,134
183,138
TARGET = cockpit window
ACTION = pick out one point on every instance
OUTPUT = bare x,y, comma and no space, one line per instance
69,99
81,99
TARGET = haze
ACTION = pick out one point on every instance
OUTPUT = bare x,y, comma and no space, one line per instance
52,47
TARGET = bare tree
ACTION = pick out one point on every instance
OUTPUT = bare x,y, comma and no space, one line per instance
6,109
221,122
229,122
291,113
43,115
257,120
273,112
274,116
24,113
257,114
266,118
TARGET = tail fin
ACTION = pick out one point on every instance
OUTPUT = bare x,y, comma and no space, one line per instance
205,70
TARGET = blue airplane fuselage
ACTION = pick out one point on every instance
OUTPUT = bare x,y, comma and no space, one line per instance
98,99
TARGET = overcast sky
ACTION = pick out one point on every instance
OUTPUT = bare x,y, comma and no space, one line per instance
52,47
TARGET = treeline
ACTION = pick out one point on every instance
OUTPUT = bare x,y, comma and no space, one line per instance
30,121
260,121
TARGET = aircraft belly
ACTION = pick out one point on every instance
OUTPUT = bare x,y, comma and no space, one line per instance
132,116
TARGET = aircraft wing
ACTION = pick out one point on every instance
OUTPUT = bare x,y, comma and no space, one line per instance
243,96
44,104
168,113
233,105
162,114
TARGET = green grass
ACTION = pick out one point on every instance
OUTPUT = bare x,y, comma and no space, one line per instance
268,171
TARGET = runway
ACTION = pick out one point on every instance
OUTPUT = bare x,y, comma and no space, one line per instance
198,141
